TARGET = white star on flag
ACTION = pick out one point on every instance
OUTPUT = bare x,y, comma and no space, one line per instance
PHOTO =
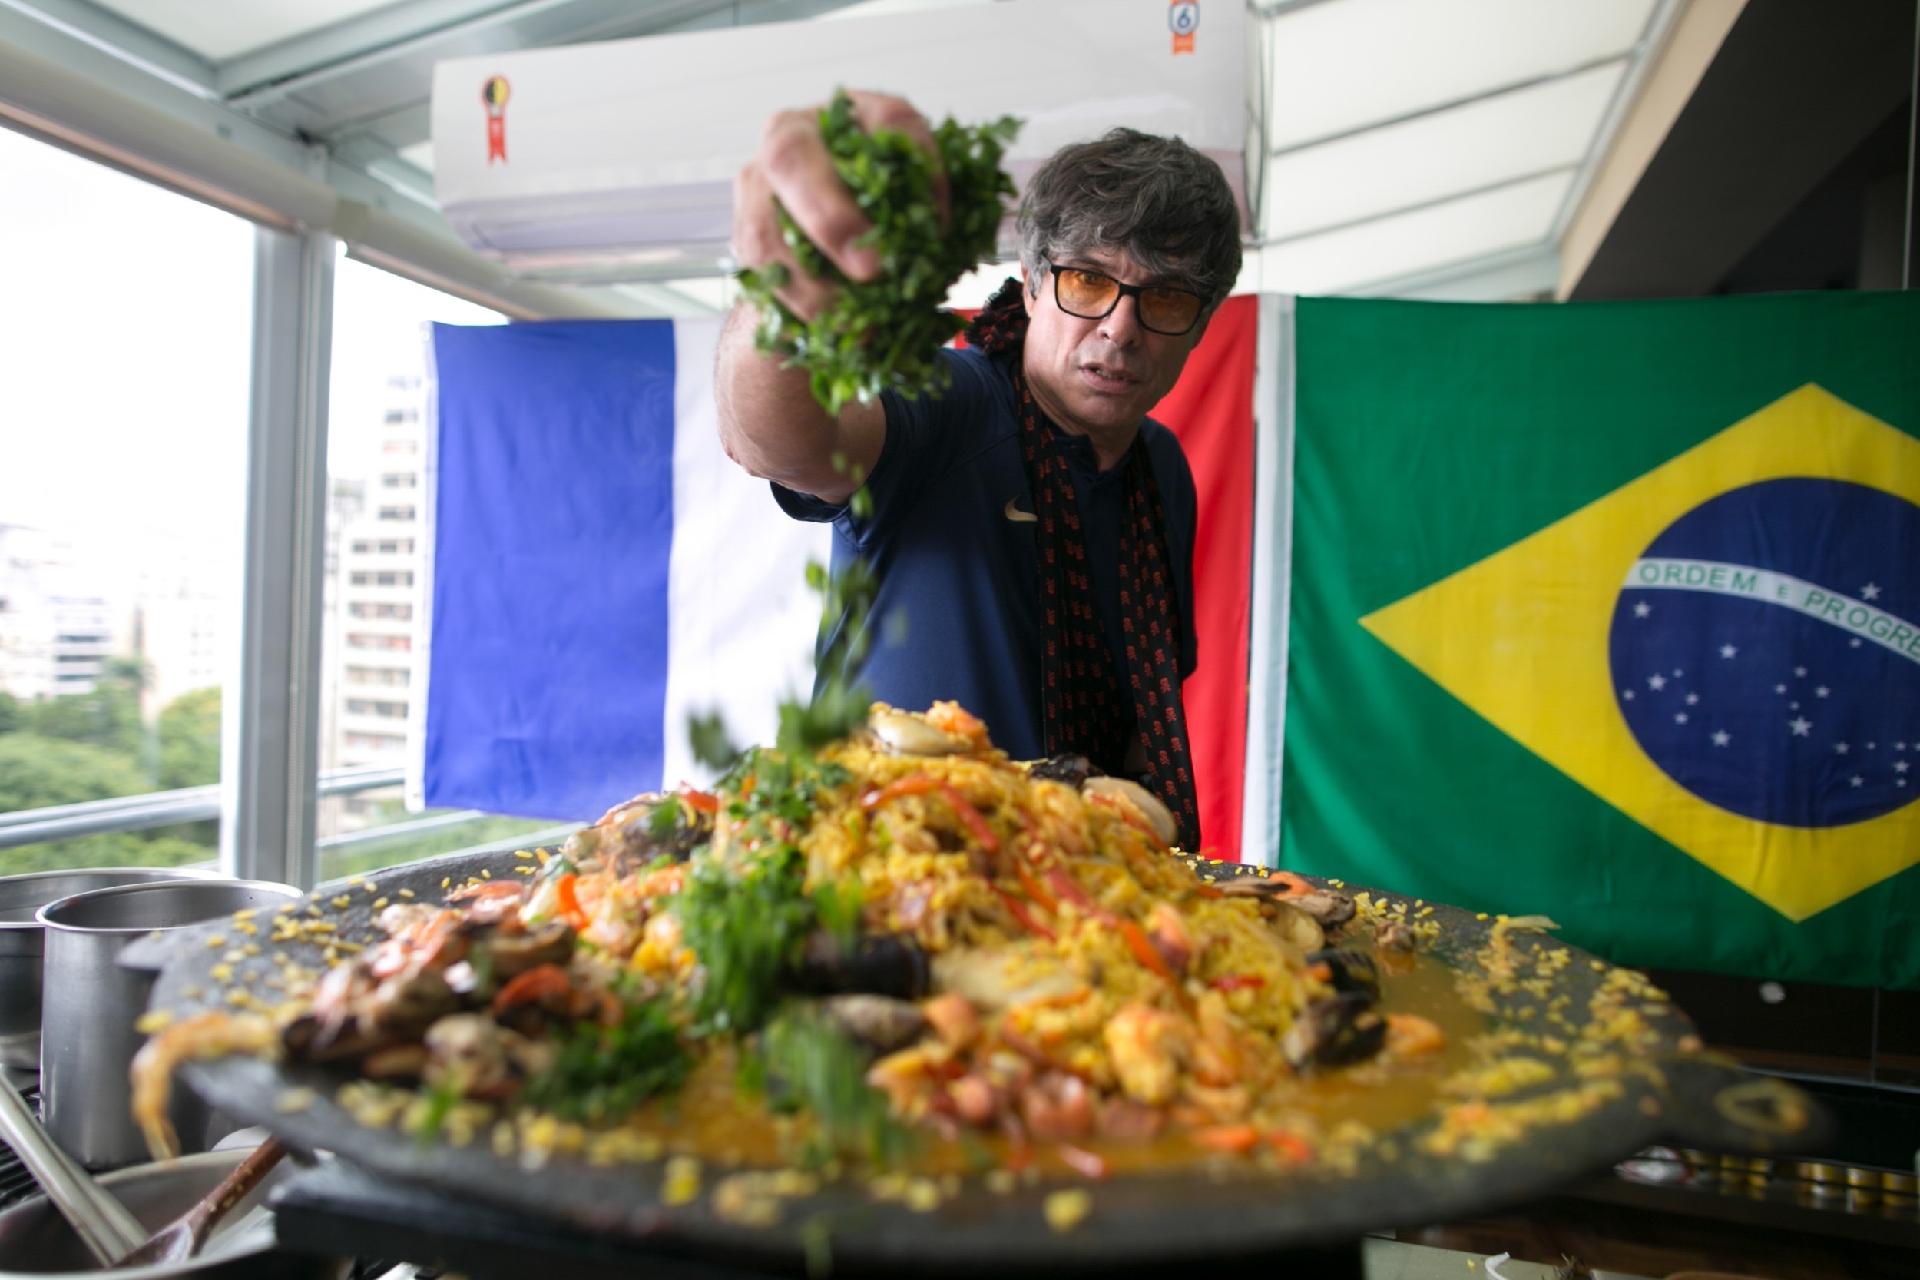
1842,748
1799,671
1899,766
1679,717
1870,592
1779,688
1721,737
1727,651
1656,683
1800,725
1854,643
1821,692
1856,780
1642,609
1627,694
1692,699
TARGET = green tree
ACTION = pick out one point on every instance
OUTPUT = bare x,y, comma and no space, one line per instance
107,716
108,849
189,732
37,770
12,716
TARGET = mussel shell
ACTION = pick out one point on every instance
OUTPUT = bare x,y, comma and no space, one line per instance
883,964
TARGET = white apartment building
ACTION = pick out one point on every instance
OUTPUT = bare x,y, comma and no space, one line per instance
380,552
181,623
57,626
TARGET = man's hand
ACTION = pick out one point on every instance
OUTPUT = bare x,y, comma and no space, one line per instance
793,167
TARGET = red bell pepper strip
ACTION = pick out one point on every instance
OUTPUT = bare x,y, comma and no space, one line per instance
1237,982
535,984
1070,891
919,784
704,801
1145,952
569,901
1024,916
1236,1139
1032,887
1295,1148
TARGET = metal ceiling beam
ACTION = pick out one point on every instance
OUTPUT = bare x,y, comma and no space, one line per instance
433,29
379,36
1450,197
1466,100
1531,271
110,34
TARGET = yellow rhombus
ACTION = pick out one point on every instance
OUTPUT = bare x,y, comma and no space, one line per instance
1521,638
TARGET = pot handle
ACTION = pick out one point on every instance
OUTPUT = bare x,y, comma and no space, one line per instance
1717,1105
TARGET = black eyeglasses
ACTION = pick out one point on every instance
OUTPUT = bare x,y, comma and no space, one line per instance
1092,295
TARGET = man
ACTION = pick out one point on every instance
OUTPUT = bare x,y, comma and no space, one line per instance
1031,527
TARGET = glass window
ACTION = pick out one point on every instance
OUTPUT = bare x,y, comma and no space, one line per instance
126,328
377,424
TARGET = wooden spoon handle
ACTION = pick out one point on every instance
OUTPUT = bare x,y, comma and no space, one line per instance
183,1237
236,1186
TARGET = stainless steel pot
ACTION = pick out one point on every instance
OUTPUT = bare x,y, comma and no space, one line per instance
23,943
35,1240
90,1005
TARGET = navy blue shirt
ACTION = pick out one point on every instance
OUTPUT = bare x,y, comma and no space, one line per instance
958,606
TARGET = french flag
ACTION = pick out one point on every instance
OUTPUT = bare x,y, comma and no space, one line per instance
600,571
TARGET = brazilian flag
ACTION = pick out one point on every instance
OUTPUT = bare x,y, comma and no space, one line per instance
1611,612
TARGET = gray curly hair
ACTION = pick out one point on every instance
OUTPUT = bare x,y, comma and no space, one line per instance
1165,204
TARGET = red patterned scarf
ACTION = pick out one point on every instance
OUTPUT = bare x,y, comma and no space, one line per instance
1086,707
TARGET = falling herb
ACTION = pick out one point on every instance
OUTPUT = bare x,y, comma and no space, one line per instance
438,1101
602,1073
816,1067
664,822
885,334
745,923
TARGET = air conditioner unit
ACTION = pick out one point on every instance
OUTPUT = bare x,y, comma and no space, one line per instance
617,160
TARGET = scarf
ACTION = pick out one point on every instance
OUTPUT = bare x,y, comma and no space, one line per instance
1087,706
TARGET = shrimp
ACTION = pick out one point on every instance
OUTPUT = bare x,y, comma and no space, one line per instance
1148,1047
951,717
208,1035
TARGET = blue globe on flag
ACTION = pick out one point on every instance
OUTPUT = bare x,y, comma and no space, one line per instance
1765,652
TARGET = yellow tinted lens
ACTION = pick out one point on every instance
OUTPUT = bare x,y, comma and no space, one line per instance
1168,310
1085,293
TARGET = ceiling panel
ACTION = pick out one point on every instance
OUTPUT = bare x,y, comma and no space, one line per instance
1549,125
217,30
1474,226
1346,65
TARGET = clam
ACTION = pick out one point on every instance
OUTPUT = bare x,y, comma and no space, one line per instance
1158,816
880,1022
905,734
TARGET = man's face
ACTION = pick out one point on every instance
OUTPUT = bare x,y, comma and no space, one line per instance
1100,376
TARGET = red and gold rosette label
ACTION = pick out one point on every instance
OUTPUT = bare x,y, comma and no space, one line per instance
1183,19
493,96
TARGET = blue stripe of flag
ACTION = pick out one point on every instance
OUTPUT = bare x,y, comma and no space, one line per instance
552,531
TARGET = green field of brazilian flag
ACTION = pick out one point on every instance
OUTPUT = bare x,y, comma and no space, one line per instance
1611,612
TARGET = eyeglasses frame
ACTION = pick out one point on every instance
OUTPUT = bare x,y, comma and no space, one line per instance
1125,291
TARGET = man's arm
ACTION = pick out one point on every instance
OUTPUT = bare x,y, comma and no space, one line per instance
773,427
769,421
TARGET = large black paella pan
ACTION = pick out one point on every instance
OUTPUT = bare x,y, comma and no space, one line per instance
1591,1064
